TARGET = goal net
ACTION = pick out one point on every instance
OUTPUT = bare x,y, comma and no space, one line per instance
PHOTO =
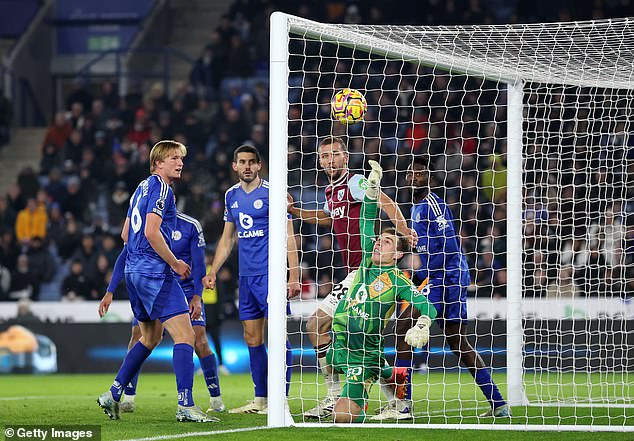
531,144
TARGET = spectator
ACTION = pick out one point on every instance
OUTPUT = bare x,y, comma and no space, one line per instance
41,261
31,222
71,239
23,281
7,215
87,254
74,201
77,285
58,133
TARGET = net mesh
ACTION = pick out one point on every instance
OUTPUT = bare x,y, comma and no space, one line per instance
442,92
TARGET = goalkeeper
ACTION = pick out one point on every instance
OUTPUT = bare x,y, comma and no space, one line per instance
360,317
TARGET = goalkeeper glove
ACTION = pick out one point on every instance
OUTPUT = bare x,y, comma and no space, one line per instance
374,180
418,335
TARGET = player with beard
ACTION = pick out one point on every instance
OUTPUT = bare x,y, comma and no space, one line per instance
341,212
247,217
444,277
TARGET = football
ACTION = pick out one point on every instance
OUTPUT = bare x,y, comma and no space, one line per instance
348,106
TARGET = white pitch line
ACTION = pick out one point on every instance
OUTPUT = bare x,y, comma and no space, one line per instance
42,397
190,434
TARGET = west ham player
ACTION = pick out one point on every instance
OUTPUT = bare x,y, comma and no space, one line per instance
344,197
247,214
444,268
362,313
188,244
156,297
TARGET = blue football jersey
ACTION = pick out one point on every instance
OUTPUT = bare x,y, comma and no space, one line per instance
153,195
442,259
249,212
188,244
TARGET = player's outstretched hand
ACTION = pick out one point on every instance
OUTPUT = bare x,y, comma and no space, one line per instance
418,335
182,269
412,238
209,281
195,307
289,203
374,180
104,305
294,288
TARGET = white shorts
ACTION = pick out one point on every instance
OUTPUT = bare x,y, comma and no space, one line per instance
329,304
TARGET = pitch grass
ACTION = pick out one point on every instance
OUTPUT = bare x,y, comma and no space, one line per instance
70,399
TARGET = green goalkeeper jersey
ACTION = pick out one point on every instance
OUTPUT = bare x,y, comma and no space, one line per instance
362,314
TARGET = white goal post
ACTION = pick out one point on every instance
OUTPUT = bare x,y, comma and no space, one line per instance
531,64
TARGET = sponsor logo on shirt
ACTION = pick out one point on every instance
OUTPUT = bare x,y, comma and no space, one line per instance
234,205
201,240
339,212
246,222
442,222
421,248
176,235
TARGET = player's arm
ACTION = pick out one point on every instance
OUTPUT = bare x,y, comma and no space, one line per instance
393,212
418,335
294,287
125,229
157,241
316,217
369,209
223,250
115,279
197,252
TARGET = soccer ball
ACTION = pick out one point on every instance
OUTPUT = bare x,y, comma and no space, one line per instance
348,106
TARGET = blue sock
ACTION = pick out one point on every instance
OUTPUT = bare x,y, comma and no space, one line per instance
259,369
210,371
408,364
489,389
130,389
289,365
130,367
183,360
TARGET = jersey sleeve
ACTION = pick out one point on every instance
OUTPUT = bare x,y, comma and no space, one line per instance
228,217
118,270
197,251
357,185
326,209
158,197
366,226
406,291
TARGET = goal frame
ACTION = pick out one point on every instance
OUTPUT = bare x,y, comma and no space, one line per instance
281,26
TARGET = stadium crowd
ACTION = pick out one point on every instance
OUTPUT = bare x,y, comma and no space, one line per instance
60,224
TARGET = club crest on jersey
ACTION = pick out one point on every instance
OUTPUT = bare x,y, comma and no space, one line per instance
177,235
340,194
380,285
417,217
257,204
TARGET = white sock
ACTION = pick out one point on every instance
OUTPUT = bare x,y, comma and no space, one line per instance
331,378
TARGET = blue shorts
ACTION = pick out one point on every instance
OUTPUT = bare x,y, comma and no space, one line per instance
450,301
253,298
155,296
201,321
253,293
